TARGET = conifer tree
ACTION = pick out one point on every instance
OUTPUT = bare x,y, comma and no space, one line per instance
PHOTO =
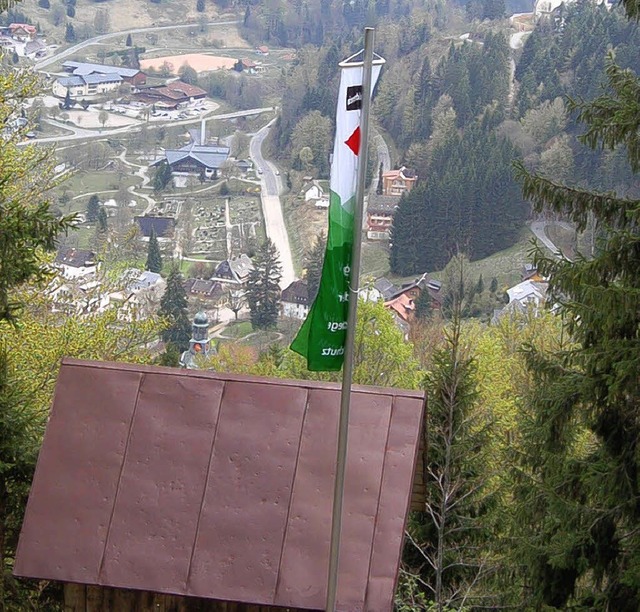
173,306
93,208
154,257
579,494
263,287
103,224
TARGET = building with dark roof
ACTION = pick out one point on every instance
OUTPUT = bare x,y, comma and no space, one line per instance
162,226
195,158
172,485
172,94
75,263
295,300
380,211
204,289
234,270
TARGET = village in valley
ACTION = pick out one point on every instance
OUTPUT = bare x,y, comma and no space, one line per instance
149,152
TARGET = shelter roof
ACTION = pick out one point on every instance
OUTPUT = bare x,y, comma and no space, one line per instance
85,68
219,486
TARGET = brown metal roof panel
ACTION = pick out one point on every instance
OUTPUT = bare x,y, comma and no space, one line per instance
397,479
76,482
162,484
369,421
304,568
246,504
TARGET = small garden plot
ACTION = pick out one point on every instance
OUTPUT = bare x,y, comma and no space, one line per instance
243,209
246,236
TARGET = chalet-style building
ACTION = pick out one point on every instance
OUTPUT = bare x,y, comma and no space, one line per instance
234,270
209,290
380,211
76,263
176,489
397,182
196,158
528,296
162,226
171,95
24,32
262,50
133,76
295,300
89,80
401,301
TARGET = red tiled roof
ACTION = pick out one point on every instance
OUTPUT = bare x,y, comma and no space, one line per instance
185,89
25,26
218,486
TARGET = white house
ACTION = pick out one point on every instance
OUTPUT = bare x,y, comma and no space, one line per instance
76,263
295,300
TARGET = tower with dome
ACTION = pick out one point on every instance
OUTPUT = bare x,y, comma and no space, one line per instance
199,344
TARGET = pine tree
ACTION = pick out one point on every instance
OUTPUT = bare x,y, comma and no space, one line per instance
129,41
70,33
173,306
154,257
315,259
93,208
200,6
580,501
380,185
162,177
263,287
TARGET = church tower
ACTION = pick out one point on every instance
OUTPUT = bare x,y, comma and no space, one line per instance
199,344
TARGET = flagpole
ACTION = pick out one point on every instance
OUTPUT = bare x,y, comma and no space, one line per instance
347,372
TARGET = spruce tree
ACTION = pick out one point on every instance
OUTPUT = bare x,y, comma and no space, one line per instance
173,306
263,287
154,257
579,493
93,208
129,41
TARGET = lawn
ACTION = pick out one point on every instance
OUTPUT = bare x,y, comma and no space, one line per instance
238,329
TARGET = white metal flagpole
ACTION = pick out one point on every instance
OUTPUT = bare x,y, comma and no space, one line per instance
347,372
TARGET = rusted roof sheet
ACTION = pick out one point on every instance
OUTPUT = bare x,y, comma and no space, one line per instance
219,486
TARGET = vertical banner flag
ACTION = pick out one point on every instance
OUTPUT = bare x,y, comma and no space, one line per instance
321,338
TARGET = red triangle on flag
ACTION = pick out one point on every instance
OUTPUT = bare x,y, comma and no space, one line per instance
353,142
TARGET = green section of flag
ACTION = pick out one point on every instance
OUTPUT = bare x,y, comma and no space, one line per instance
321,338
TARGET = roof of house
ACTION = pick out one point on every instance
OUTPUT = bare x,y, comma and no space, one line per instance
89,79
23,26
296,293
402,305
219,486
208,155
75,258
527,290
162,226
145,280
84,68
202,287
236,268
382,204
400,173
386,288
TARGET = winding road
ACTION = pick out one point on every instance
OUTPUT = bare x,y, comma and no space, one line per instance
271,185
97,39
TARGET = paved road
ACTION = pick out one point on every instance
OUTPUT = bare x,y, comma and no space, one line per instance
271,185
538,229
383,156
84,134
97,39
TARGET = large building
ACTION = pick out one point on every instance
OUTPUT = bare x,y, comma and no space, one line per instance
295,300
196,158
397,182
133,76
90,80
171,95
380,211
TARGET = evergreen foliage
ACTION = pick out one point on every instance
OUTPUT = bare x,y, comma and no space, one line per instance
154,257
162,177
173,307
200,6
93,208
103,224
471,203
129,41
579,493
263,287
